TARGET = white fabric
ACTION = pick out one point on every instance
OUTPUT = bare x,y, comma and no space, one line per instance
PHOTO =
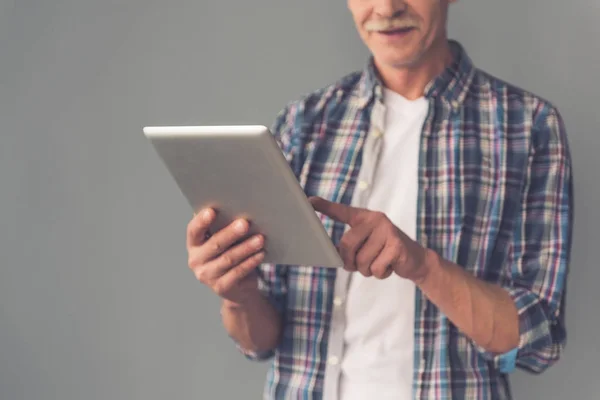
379,334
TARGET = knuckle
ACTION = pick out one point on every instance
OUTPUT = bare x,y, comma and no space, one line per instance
220,288
379,216
215,246
348,267
345,241
362,259
247,265
358,218
354,246
365,272
192,261
200,274
380,272
227,259
345,249
397,246
402,258
398,250
241,271
353,242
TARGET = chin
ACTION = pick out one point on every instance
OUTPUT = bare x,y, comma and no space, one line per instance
399,60
397,56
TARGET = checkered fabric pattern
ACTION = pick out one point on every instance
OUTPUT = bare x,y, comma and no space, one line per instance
495,196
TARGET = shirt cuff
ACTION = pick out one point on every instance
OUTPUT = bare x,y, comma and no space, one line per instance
539,346
507,362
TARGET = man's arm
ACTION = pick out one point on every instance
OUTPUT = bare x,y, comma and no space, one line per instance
535,279
483,311
519,323
254,325
231,269
525,316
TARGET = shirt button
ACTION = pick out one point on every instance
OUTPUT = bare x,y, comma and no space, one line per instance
337,301
333,360
377,133
362,185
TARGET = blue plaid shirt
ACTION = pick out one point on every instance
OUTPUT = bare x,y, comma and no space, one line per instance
495,196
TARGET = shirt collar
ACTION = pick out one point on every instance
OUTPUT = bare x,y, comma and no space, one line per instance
451,86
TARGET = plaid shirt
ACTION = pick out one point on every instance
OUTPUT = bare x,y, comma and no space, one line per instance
495,196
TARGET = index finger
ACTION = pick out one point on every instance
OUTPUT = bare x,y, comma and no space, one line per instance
337,211
198,227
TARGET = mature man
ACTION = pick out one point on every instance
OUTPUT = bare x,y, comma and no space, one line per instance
448,192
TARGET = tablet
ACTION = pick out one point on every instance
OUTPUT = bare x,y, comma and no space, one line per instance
241,172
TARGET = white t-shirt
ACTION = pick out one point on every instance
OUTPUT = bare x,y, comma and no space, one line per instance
379,335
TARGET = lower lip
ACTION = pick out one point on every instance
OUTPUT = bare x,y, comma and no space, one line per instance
397,34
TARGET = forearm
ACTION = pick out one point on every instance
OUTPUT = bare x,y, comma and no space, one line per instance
481,310
255,325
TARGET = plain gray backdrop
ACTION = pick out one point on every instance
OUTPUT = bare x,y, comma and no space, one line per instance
96,300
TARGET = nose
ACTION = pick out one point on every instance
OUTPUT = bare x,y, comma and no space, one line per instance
389,8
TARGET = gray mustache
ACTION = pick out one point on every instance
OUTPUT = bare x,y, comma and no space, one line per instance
390,24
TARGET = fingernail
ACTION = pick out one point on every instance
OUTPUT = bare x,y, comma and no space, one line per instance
256,241
240,226
206,215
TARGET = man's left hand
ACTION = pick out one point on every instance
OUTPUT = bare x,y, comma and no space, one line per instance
373,245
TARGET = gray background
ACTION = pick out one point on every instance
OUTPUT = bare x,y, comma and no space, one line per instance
96,301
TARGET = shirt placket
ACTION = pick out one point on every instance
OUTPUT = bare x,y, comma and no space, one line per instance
335,349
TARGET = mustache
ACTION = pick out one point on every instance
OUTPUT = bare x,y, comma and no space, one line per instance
389,24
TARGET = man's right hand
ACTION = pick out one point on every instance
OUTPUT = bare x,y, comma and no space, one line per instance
221,264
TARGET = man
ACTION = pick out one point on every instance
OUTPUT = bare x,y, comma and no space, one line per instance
448,193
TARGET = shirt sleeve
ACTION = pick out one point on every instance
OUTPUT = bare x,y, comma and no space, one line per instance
537,275
272,278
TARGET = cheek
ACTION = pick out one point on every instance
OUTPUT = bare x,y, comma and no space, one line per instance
437,21
360,12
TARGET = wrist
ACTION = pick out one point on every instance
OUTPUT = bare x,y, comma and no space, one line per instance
243,302
429,262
